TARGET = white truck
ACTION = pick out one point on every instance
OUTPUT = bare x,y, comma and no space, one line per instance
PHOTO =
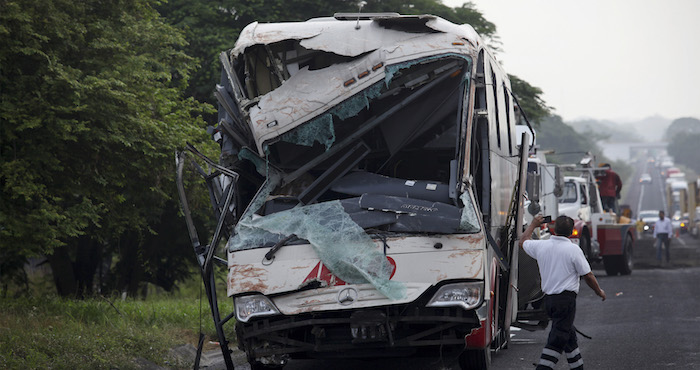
599,233
544,185
370,191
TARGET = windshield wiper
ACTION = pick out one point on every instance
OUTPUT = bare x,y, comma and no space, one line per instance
271,253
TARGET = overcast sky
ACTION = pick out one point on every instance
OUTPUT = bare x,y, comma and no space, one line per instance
605,59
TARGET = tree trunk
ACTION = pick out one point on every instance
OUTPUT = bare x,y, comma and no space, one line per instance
63,274
88,257
130,266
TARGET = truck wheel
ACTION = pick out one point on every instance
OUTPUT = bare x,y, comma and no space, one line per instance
611,265
625,261
475,359
585,244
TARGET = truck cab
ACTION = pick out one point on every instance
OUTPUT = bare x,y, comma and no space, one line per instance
598,233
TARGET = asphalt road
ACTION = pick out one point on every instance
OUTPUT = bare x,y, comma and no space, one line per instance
650,320
647,196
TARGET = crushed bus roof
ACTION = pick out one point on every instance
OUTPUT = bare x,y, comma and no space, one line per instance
344,37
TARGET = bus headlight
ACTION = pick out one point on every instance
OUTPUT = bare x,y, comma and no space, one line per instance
465,295
253,305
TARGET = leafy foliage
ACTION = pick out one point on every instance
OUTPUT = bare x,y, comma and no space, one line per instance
684,135
682,126
568,145
530,100
684,150
92,111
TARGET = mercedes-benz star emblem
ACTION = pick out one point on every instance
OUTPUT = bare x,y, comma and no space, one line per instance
347,296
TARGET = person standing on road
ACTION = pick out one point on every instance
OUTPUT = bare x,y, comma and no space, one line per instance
561,265
610,185
663,231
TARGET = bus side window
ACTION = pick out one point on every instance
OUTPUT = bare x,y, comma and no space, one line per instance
509,111
497,112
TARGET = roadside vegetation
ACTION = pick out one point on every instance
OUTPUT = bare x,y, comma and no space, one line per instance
48,331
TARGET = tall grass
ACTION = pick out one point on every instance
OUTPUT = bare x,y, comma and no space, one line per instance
52,332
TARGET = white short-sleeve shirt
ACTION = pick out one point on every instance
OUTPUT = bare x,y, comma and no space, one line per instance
561,263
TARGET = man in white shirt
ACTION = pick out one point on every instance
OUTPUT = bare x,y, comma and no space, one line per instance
663,232
561,265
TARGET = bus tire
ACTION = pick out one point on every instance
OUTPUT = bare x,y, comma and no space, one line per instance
475,359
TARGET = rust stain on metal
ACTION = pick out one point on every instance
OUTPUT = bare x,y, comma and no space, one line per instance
471,238
310,302
248,271
248,278
460,253
250,286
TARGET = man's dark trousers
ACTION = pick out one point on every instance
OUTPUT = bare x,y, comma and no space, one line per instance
561,308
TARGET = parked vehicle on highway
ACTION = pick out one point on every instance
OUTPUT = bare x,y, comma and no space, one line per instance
370,187
695,225
645,178
684,224
672,172
676,221
678,177
599,233
648,218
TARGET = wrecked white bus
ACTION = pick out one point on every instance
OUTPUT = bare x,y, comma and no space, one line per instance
368,189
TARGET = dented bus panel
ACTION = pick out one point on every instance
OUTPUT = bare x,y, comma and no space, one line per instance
369,189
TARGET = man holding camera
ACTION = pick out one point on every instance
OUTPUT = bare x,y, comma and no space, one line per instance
561,265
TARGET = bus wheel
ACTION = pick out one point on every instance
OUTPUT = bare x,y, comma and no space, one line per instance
475,359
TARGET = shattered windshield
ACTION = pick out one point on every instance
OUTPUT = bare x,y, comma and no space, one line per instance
386,156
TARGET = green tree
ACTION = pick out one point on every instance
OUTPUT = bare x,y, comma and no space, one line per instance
682,126
530,100
568,145
683,135
684,150
91,112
